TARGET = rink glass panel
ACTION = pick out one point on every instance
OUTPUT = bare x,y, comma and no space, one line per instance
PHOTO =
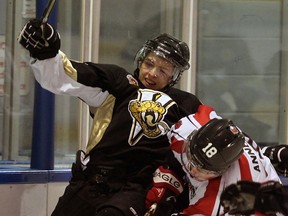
240,64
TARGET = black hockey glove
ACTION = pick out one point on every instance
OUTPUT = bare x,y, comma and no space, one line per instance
279,158
42,40
247,197
239,198
271,198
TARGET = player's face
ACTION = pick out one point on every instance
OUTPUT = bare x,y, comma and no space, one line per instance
155,72
202,175
198,173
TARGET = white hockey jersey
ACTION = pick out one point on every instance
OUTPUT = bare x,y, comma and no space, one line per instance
204,196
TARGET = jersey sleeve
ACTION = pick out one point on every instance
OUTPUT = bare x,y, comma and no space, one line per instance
57,76
186,125
261,168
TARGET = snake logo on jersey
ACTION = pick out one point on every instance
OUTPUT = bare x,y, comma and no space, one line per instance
148,112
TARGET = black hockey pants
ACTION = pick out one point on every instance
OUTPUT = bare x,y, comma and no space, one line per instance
89,194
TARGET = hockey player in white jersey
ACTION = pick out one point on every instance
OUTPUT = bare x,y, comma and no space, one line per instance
213,154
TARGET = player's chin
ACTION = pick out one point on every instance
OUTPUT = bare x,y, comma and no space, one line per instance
200,179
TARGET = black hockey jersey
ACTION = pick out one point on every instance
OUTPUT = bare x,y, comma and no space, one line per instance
130,122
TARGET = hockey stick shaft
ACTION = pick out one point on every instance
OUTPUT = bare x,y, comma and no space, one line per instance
45,16
48,10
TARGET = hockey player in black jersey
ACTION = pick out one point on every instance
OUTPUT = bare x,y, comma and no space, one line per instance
128,137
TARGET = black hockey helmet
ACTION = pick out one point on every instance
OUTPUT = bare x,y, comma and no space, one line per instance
215,146
169,48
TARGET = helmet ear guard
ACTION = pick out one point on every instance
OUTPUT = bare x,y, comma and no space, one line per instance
216,145
169,48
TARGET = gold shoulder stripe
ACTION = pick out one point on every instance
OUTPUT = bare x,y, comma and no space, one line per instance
69,69
101,121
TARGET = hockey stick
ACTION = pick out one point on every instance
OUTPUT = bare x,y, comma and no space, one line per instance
151,210
45,16
47,11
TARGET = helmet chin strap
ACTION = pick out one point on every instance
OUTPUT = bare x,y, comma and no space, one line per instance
176,76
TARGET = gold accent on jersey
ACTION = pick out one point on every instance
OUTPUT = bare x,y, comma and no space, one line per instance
101,121
69,69
148,112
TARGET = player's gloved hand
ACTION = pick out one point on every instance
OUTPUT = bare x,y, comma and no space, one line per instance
161,198
239,198
179,214
271,198
279,158
163,207
247,197
42,40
